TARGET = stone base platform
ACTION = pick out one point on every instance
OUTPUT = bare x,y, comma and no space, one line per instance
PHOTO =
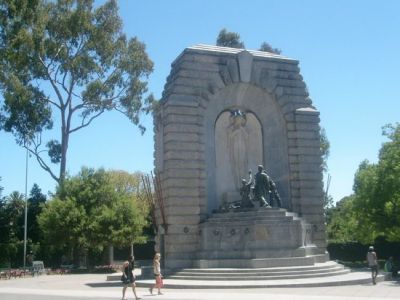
244,274
322,274
257,238
351,278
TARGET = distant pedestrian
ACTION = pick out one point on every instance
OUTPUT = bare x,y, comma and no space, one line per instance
157,274
128,278
391,267
29,259
372,260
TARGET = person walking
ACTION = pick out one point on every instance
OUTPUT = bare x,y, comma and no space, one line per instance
157,274
372,260
128,279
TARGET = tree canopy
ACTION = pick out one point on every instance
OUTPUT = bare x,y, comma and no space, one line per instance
12,219
11,226
268,48
342,222
66,61
377,189
374,209
325,149
229,39
232,39
98,209
36,201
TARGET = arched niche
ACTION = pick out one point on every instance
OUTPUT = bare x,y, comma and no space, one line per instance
238,149
264,109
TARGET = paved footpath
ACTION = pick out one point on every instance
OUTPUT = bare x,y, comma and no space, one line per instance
90,286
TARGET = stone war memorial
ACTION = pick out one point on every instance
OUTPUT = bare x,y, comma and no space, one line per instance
237,154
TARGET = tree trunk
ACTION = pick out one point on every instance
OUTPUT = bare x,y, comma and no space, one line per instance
64,148
110,254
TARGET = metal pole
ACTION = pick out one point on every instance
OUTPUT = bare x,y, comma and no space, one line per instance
26,206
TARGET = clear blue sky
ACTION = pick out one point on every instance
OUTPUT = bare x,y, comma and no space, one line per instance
349,53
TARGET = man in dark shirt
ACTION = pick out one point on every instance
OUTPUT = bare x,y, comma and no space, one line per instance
128,278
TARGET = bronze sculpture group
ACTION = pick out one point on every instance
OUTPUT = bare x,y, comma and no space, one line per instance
261,190
264,190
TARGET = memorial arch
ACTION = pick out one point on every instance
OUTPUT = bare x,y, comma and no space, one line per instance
224,111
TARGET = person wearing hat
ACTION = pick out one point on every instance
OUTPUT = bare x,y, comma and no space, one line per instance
372,260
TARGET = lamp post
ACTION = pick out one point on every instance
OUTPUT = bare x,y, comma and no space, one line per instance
26,206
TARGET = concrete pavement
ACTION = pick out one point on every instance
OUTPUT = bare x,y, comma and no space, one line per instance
89,286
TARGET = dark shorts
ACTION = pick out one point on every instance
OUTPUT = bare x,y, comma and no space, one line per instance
127,280
374,268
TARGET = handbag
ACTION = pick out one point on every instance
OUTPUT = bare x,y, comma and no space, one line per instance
124,279
159,281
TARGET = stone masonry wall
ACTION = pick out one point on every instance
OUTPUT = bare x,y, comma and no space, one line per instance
180,137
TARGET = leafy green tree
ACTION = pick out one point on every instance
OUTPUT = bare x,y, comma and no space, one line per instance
125,182
15,210
4,229
69,62
325,148
374,209
388,185
16,197
12,209
342,221
229,39
377,190
35,204
268,48
365,184
5,232
63,225
98,210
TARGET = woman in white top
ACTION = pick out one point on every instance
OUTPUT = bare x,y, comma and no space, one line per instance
157,274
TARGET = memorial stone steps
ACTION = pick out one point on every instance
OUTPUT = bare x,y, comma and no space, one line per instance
318,270
257,263
318,266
